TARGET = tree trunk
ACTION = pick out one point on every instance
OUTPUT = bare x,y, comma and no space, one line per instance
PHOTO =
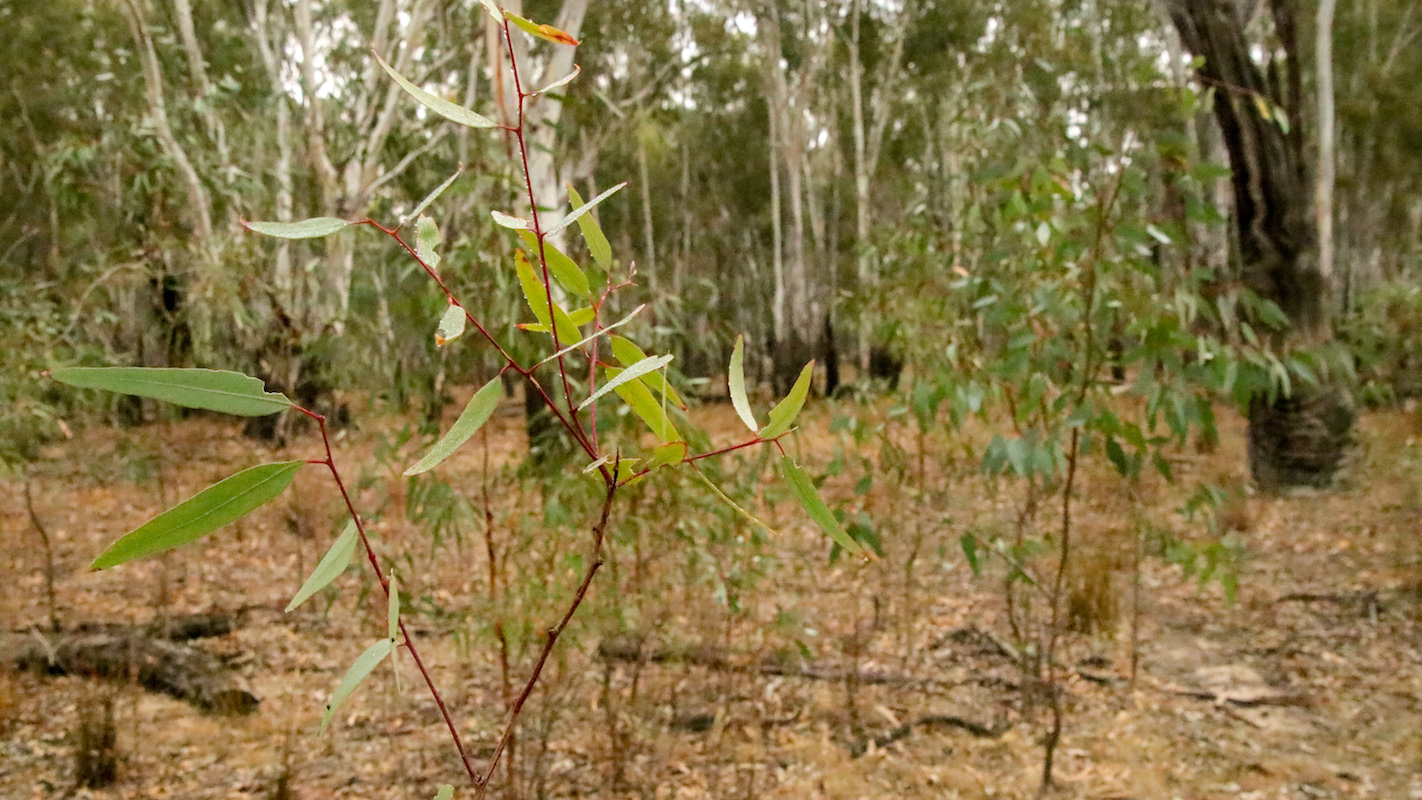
1301,439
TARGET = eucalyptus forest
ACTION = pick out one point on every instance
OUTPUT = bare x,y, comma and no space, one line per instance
710,399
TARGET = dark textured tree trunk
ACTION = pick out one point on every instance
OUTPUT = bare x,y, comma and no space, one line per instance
1300,439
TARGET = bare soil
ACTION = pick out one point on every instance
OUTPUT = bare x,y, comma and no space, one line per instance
1309,685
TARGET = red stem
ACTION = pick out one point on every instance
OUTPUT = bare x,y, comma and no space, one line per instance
599,530
538,234
330,463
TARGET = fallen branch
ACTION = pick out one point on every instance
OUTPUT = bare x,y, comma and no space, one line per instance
175,669
861,746
632,649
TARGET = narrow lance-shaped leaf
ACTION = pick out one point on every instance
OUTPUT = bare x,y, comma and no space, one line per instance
433,196
306,229
736,377
725,498
509,221
426,240
548,33
563,269
598,246
498,15
451,325
394,610
561,82
573,315
536,293
784,414
203,513
450,111
481,406
629,353
212,389
809,498
637,396
581,211
632,373
358,672
332,565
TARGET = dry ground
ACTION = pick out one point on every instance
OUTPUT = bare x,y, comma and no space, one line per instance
1315,672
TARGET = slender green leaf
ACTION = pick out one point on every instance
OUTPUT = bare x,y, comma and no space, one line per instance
450,111
725,498
582,316
737,379
548,33
563,269
667,453
446,792
561,82
784,414
203,513
394,612
809,498
969,543
536,293
639,398
498,15
581,211
433,196
426,240
632,373
451,325
629,353
598,246
306,229
475,414
212,389
332,564
362,667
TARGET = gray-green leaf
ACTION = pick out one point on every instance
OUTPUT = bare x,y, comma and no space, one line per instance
426,240
446,792
362,667
332,564
313,228
481,407
809,498
581,210
212,389
632,373
433,195
451,325
394,606
737,381
205,512
450,111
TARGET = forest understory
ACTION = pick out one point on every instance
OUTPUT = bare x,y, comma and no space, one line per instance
750,670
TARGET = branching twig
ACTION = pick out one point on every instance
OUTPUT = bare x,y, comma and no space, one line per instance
599,532
330,463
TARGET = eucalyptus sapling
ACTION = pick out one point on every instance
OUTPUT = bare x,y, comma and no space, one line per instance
575,346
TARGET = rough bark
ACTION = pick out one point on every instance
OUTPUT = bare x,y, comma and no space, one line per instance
160,665
1301,439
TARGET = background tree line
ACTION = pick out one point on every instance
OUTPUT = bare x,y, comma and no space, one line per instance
811,173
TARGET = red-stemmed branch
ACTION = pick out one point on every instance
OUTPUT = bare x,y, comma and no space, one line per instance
330,463
567,416
599,532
